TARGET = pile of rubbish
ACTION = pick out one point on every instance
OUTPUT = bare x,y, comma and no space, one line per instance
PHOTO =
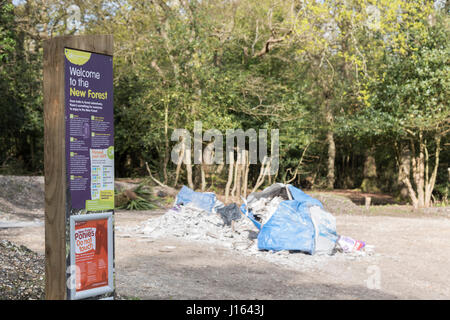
281,218
200,216
289,219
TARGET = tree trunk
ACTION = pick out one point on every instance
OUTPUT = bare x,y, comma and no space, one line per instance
369,183
431,182
203,176
237,175
331,159
404,170
264,170
180,161
421,197
188,164
166,140
246,170
207,163
420,182
230,176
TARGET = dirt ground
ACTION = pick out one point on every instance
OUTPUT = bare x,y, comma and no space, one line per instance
410,262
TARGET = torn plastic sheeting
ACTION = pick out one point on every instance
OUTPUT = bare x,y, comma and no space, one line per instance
229,213
279,190
299,224
249,214
300,196
201,200
275,190
325,224
290,228
323,221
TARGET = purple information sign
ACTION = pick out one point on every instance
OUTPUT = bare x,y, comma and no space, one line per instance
89,129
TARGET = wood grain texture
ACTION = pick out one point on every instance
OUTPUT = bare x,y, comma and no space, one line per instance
56,206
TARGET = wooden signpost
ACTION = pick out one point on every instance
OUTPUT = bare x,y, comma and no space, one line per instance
79,167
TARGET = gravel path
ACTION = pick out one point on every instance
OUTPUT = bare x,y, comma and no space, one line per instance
21,273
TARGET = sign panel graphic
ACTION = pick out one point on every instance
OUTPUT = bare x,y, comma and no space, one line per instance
89,151
89,129
91,254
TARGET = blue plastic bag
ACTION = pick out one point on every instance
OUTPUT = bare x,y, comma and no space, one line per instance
204,201
249,214
292,226
326,235
289,228
302,197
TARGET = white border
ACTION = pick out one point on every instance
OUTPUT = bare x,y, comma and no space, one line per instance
74,295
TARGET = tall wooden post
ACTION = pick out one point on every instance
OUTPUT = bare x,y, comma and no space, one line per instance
58,198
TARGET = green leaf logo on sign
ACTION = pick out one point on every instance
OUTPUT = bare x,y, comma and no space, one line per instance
110,152
77,57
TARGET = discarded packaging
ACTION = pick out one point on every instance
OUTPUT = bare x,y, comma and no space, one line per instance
347,244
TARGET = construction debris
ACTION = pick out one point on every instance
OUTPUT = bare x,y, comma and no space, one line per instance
274,227
192,223
298,224
264,208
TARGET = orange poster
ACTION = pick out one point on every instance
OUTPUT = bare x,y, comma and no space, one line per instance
91,254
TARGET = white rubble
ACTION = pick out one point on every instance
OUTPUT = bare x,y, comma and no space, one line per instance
264,208
192,224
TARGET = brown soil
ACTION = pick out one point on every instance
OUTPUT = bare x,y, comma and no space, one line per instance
359,198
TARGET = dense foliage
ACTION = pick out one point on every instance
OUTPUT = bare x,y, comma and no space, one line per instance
358,89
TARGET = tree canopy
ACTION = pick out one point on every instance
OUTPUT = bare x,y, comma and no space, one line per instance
358,89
